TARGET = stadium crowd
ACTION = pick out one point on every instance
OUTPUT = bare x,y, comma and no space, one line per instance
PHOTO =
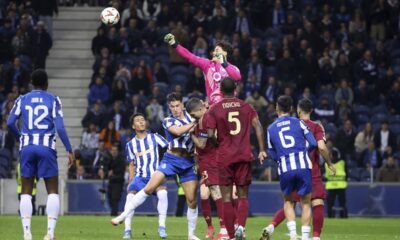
24,46
343,55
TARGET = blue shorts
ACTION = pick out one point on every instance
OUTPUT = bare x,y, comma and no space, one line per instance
138,183
172,165
38,161
296,181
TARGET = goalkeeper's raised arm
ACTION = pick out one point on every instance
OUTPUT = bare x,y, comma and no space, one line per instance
214,70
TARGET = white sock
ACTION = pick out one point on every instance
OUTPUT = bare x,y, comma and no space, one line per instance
291,225
316,238
305,232
137,200
271,228
128,219
162,207
52,209
192,220
25,208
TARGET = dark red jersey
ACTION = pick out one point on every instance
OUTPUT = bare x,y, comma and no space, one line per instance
207,156
232,118
319,134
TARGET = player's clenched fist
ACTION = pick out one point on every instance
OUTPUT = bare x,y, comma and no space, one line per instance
170,39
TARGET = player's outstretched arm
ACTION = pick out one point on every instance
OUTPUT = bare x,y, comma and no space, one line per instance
260,139
181,130
186,54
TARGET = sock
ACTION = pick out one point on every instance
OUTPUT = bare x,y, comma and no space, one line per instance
229,218
318,220
305,232
278,217
192,220
235,203
25,208
135,202
162,207
128,219
291,225
206,209
242,211
220,212
52,209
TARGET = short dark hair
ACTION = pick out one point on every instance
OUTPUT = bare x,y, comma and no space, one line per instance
228,86
135,115
174,96
227,47
284,103
39,78
192,104
305,105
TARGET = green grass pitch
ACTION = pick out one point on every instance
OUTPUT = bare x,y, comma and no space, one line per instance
98,228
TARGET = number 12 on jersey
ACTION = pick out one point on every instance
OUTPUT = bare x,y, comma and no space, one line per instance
36,115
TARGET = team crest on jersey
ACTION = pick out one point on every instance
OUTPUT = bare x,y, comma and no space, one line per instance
217,76
164,166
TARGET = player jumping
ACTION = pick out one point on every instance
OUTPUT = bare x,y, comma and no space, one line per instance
207,167
41,114
304,110
286,144
142,154
177,160
233,119
214,70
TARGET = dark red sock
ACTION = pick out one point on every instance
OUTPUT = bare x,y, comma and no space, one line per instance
318,220
235,207
242,211
220,212
206,209
229,218
278,217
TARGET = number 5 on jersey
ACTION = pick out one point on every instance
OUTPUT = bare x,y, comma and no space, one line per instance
232,118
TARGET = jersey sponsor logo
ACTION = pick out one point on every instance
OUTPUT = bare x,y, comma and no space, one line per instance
142,153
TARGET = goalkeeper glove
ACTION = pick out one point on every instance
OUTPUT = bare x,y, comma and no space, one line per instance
170,39
222,59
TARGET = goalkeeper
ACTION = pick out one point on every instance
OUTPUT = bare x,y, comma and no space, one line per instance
214,70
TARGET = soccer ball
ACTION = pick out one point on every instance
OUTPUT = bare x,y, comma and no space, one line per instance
109,16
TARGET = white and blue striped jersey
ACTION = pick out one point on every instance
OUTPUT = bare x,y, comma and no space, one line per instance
41,114
286,139
184,141
144,153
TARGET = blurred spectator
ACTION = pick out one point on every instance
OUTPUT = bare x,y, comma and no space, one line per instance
308,71
109,136
342,69
135,106
156,93
252,85
140,82
151,9
21,43
363,94
371,157
41,44
45,10
95,116
99,41
366,68
200,48
254,68
363,138
219,22
16,76
384,138
99,92
118,116
257,101
344,92
286,68
102,158
271,90
118,92
389,172
154,114
90,143
278,15
393,98
344,140
159,73
7,140
378,18
81,173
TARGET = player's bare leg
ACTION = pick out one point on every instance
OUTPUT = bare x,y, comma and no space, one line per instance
217,197
206,209
52,205
242,210
162,207
318,217
155,181
290,215
305,216
190,189
25,206
229,213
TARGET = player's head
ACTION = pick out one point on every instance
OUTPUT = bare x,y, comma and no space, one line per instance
224,48
196,108
304,107
228,87
138,122
39,79
284,105
175,104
